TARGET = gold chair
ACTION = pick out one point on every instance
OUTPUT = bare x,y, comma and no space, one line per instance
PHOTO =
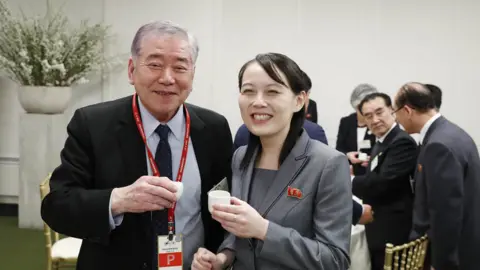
412,255
60,252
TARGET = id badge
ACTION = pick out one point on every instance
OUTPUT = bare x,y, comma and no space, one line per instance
170,252
374,163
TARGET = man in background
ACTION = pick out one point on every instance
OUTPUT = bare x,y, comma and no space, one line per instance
386,185
447,182
436,94
310,104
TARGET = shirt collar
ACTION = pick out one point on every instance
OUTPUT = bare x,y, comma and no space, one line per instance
427,126
150,123
381,139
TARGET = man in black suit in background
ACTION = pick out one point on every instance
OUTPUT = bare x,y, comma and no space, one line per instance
447,182
103,191
353,134
386,185
310,104
436,94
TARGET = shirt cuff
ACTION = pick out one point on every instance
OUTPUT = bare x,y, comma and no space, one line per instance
114,221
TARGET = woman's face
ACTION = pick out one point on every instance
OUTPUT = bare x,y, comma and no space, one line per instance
266,106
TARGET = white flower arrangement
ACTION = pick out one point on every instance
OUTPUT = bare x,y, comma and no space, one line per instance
46,51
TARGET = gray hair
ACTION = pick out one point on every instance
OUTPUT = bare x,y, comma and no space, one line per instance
164,28
360,92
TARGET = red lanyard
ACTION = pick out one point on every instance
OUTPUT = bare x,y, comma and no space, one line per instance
153,165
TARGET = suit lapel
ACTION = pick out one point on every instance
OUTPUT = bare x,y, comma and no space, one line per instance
287,172
247,176
200,146
131,145
379,148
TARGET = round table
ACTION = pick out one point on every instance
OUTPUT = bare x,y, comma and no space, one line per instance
359,255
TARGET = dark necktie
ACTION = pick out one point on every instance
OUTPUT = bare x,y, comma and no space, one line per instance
163,159
376,149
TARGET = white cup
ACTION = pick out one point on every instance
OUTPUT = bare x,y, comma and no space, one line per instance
218,197
362,156
179,192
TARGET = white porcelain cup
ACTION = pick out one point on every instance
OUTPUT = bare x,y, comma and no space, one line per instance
218,197
363,156
179,192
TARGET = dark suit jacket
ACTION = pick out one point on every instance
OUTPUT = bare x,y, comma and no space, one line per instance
347,140
104,150
314,131
447,197
311,114
387,189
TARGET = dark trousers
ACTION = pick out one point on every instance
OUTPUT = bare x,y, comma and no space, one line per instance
377,258
427,262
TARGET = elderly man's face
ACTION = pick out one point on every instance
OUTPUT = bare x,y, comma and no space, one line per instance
162,74
378,116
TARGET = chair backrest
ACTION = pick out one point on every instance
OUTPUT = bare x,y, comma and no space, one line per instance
407,256
44,190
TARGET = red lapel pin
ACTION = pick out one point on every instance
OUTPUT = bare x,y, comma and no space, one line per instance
294,192
420,167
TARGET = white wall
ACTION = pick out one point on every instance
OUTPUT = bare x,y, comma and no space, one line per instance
338,43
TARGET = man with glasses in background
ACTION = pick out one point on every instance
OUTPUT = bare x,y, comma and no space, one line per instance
386,184
447,181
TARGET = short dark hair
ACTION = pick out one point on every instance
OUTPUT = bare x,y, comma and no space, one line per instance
307,81
437,94
417,96
386,98
273,63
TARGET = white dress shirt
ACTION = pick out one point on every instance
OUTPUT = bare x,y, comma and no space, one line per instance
427,125
188,220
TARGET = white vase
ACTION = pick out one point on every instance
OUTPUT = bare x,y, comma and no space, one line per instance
44,99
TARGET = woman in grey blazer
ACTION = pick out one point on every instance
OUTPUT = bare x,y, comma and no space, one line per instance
292,198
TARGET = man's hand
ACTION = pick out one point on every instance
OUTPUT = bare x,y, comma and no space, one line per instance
148,193
365,163
367,215
353,157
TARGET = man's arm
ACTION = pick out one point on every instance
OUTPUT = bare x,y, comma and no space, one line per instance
357,212
73,207
444,180
399,162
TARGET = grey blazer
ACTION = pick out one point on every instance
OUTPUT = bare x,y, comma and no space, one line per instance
312,232
447,197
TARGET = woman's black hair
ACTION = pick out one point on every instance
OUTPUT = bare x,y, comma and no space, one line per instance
273,64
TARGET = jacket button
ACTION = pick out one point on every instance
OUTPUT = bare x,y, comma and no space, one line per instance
145,266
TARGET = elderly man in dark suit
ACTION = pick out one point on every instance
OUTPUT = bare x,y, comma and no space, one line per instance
114,185
447,182
386,185
353,135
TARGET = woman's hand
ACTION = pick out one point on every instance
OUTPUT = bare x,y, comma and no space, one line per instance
241,219
204,259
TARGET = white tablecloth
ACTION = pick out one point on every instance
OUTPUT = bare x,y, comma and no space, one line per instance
359,255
